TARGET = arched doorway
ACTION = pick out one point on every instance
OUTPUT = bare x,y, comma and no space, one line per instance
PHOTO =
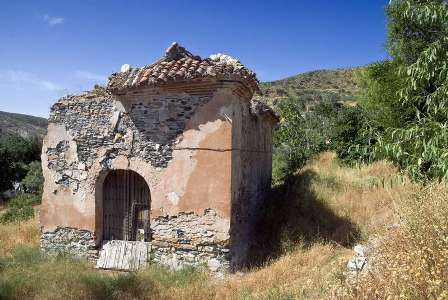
126,205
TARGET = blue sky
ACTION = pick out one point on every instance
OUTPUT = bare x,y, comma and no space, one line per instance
50,48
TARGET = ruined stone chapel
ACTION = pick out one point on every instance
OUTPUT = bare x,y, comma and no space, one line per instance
175,155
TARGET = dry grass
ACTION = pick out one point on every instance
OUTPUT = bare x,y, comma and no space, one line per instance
15,234
324,211
310,227
303,273
367,195
412,262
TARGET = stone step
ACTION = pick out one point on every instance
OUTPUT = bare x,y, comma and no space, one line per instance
123,255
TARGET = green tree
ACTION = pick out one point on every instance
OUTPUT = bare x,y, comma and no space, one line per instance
300,136
418,41
349,138
21,149
15,154
7,173
33,181
413,25
290,149
404,100
379,84
357,129
20,208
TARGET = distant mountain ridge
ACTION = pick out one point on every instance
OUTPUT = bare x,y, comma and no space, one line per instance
313,87
23,125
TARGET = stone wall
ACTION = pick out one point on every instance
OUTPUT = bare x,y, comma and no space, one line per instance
191,239
147,129
185,239
98,130
175,141
90,134
65,240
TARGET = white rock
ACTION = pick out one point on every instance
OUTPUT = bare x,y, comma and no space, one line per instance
125,68
213,264
360,250
225,59
356,264
171,261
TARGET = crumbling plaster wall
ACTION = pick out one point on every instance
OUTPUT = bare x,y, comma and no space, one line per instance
198,177
251,175
180,144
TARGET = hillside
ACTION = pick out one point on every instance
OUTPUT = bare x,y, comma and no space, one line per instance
23,125
312,87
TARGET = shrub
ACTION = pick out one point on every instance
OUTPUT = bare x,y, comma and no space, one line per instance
301,135
289,140
15,153
20,208
406,97
34,180
348,139
280,167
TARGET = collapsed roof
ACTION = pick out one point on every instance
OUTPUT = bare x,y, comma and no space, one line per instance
179,65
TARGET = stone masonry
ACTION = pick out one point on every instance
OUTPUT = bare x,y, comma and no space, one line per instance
189,239
77,242
185,126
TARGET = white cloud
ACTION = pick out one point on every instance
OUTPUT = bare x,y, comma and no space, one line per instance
91,76
20,78
52,21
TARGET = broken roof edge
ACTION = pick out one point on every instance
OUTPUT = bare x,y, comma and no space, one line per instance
96,92
180,65
260,108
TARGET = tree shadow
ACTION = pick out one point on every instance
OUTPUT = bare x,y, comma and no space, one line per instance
292,214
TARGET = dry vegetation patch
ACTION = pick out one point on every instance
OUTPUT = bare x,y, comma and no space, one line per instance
18,233
309,226
412,261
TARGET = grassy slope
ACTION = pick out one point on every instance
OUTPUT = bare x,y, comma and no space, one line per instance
23,125
312,87
326,211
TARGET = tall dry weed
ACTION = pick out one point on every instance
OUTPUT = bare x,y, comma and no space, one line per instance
18,233
412,261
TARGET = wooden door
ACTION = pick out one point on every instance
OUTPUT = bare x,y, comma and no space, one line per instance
126,203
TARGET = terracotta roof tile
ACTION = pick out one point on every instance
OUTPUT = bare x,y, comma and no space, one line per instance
180,65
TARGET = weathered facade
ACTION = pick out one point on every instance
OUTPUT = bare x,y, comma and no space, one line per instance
175,153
